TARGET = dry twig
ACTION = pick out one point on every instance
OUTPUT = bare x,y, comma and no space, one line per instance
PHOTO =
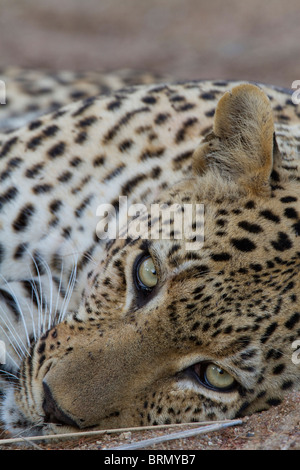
205,425
177,435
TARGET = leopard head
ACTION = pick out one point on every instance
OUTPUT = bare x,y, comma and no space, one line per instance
186,328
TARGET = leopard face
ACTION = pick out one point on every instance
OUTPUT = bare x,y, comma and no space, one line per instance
165,334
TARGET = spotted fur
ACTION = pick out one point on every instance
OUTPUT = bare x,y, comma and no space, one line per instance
86,346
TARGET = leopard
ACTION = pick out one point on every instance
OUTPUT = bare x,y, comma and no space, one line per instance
31,93
149,256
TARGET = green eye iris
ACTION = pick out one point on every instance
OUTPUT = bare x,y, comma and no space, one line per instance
146,273
214,377
217,377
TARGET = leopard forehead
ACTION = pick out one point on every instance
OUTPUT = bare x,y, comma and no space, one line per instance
126,354
248,245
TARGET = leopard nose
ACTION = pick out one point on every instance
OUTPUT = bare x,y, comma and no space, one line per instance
53,414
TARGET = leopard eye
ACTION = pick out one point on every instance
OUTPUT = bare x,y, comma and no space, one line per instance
214,377
146,273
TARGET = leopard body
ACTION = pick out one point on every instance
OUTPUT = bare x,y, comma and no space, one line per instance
87,343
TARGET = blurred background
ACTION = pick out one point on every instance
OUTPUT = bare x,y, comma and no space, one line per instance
186,39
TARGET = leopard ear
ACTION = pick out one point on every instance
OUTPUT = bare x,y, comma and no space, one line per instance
240,148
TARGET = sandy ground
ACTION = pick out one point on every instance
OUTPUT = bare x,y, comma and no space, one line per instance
187,39
275,429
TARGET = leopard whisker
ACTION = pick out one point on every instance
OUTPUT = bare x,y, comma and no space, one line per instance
69,291
15,298
18,345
